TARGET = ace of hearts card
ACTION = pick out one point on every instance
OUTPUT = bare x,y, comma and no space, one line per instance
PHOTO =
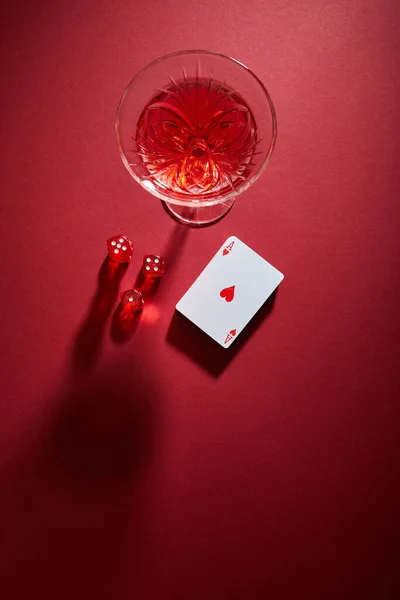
228,293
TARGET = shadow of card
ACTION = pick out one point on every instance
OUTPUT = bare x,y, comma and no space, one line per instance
210,356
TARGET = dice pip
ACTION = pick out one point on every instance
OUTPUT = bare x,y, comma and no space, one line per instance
153,266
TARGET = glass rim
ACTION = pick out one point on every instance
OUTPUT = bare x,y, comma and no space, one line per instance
193,202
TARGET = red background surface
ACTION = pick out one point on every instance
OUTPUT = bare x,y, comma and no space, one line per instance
162,468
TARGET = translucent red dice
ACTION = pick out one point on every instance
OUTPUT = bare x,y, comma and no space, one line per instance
119,249
153,266
132,300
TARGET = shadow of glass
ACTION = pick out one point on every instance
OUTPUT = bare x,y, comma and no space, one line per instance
77,508
104,428
173,251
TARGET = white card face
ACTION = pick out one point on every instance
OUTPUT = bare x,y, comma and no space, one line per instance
230,290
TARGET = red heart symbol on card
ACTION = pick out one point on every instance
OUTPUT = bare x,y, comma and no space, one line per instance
228,293
225,252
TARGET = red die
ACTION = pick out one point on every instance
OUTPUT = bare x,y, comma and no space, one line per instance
132,300
119,248
153,266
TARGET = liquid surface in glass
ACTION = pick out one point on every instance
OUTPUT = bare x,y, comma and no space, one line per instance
197,137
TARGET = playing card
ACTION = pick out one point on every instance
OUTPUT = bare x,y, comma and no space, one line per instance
230,290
